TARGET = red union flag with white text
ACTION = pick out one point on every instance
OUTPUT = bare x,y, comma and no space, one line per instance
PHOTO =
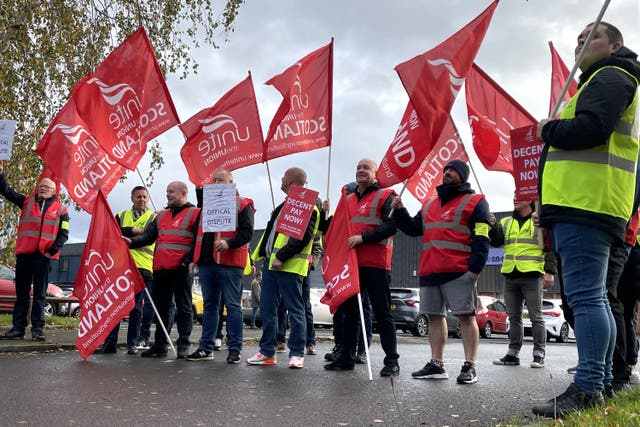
432,81
449,147
125,101
340,262
107,280
303,120
559,75
227,135
75,157
492,114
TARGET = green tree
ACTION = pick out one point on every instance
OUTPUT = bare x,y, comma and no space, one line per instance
46,46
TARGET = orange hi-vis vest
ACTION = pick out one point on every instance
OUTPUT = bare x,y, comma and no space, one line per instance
175,238
366,214
446,237
236,257
38,232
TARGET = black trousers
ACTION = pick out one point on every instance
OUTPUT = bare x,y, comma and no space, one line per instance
167,285
30,268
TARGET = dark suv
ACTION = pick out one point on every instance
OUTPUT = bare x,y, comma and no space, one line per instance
405,309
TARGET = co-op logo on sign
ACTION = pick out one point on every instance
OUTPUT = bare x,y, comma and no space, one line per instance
88,157
126,117
454,77
221,135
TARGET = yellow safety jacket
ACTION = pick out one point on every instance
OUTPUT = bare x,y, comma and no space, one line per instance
521,248
143,256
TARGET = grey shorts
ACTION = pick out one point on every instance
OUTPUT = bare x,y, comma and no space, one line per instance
459,295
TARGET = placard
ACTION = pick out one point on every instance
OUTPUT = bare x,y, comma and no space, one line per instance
7,130
526,150
218,208
296,212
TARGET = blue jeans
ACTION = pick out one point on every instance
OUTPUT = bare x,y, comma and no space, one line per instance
147,312
221,281
133,329
585,252
289,287
308,313
254,313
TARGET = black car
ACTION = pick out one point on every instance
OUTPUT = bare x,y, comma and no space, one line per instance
405,309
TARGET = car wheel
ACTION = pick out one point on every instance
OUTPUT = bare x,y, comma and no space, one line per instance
458,332
486,331
76,313
564,333
421,327
50,309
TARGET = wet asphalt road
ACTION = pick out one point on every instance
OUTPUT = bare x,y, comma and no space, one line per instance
59,388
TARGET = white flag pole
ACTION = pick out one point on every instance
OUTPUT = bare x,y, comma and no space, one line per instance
363,330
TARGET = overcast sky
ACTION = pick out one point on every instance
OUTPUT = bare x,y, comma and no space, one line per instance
371,37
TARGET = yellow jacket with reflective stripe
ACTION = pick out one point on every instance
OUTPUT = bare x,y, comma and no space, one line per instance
599,179
143,257
521,250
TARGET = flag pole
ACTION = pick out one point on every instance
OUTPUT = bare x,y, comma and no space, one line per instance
363,330
583,52
147,188
328,172
475,176
406,181
273,200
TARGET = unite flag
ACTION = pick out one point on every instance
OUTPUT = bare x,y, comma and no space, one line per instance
227,135
559,75
492,114
107,280
432,81
303,120
340,262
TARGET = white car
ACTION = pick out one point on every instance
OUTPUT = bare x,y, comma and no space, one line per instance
554,321
321,314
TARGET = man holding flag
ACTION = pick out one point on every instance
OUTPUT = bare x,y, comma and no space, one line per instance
373,230
455,246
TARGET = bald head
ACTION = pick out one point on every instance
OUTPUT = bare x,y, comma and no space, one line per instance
366,174
177,194
222,176
295,176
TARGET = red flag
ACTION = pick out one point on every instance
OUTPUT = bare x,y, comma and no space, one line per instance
449,147
492,114
74,155
340,262
303,120
125,101
227,135
432,81
107,280
559,75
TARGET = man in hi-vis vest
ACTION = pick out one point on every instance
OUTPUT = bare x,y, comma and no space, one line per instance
42,230
132,222
587,182
527,270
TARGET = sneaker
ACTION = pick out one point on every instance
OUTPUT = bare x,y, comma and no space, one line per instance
508,360
155,352
311,350
467,375
233,356
634,378
538,362
572,370
338,365
143,345
261,359
281,347
13,334
132,350
200,355
106,349
390,370
573,398
38,335
361,358
431,371
183,352
296,362
334,354
217,344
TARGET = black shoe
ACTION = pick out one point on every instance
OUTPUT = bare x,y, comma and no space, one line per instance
155,352
573,398
233,356
467,375
183,352
13,334
200,355
361,358
132,350
538,362
334,355
338,365
143,345
431,371
508,360
106,349
390,370
618,386
38,335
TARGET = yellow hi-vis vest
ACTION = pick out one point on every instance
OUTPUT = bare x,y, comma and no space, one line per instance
599,179
143,256
521,250
299,263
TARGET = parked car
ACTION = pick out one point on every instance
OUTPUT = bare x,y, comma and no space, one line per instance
197,302
554,321
405,310
8,288
491,316
321,314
